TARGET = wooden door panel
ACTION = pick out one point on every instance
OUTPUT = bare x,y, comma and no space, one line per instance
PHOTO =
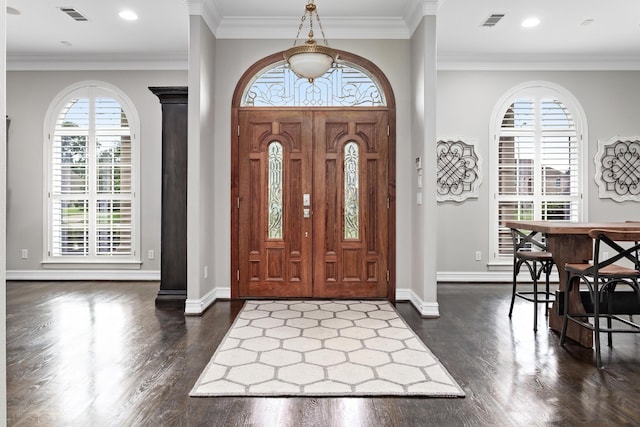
350,266
274,266
315,256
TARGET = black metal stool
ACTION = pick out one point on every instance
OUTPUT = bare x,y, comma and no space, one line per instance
534,255
602,278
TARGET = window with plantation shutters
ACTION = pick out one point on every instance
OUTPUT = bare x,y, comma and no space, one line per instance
539,158
91,205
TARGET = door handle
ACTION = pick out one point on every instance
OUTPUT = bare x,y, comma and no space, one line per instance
306,213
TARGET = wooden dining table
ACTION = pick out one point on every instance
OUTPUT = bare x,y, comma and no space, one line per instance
569,242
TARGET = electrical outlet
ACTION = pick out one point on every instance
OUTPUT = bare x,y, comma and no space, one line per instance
151,254
478,256
25,254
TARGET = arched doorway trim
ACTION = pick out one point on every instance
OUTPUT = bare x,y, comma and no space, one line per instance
352,60
349,59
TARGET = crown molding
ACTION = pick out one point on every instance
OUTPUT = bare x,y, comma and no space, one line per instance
233,27
208,11
420,10
446,62
512,62
430,7
169,62
195,7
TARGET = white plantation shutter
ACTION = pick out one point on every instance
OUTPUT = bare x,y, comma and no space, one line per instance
91,199
539,174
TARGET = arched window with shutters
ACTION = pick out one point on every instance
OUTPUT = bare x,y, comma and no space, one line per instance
539,148
92,214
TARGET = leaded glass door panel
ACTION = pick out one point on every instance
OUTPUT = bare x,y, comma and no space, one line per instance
275,239
351,212
313,205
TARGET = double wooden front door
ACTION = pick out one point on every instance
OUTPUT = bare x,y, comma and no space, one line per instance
313,203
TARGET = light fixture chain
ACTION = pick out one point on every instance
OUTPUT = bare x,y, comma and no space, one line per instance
304,17
310,60
326,43
311,23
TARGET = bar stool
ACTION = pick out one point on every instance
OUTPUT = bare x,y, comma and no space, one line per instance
602,278
531,251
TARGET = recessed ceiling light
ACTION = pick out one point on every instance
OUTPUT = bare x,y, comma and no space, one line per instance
65,43
530,22
587,22
13,11
128,15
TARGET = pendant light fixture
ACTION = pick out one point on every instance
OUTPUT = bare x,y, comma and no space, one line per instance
310,60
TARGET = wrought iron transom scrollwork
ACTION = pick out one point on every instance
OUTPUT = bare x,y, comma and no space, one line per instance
618,169
344,85
458,173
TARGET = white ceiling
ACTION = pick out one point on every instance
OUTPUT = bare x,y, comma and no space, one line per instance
160,36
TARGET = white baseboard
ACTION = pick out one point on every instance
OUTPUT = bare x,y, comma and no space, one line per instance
223,293
198,306
426,309
487,276
52,275
431,309
195,307
154,275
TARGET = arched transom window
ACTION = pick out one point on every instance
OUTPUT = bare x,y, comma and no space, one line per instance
344,85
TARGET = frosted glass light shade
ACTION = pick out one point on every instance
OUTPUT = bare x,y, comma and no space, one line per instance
310,61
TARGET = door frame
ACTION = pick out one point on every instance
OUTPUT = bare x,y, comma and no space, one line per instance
235,141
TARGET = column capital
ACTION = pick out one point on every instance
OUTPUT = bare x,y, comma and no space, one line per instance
430,7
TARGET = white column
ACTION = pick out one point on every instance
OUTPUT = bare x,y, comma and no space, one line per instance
424,81
429,163
201,182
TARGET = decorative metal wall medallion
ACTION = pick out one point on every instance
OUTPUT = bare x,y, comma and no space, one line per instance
458,174
618,169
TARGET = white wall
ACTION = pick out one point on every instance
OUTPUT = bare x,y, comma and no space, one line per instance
3,164
611,102
29,94
465,100
209,165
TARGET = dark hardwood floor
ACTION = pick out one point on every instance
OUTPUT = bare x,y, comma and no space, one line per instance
101,354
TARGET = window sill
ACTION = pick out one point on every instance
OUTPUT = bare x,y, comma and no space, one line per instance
92,265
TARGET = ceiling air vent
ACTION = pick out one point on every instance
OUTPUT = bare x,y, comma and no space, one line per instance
492,20
73,13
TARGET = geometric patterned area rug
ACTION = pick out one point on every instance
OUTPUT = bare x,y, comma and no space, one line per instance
323,348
